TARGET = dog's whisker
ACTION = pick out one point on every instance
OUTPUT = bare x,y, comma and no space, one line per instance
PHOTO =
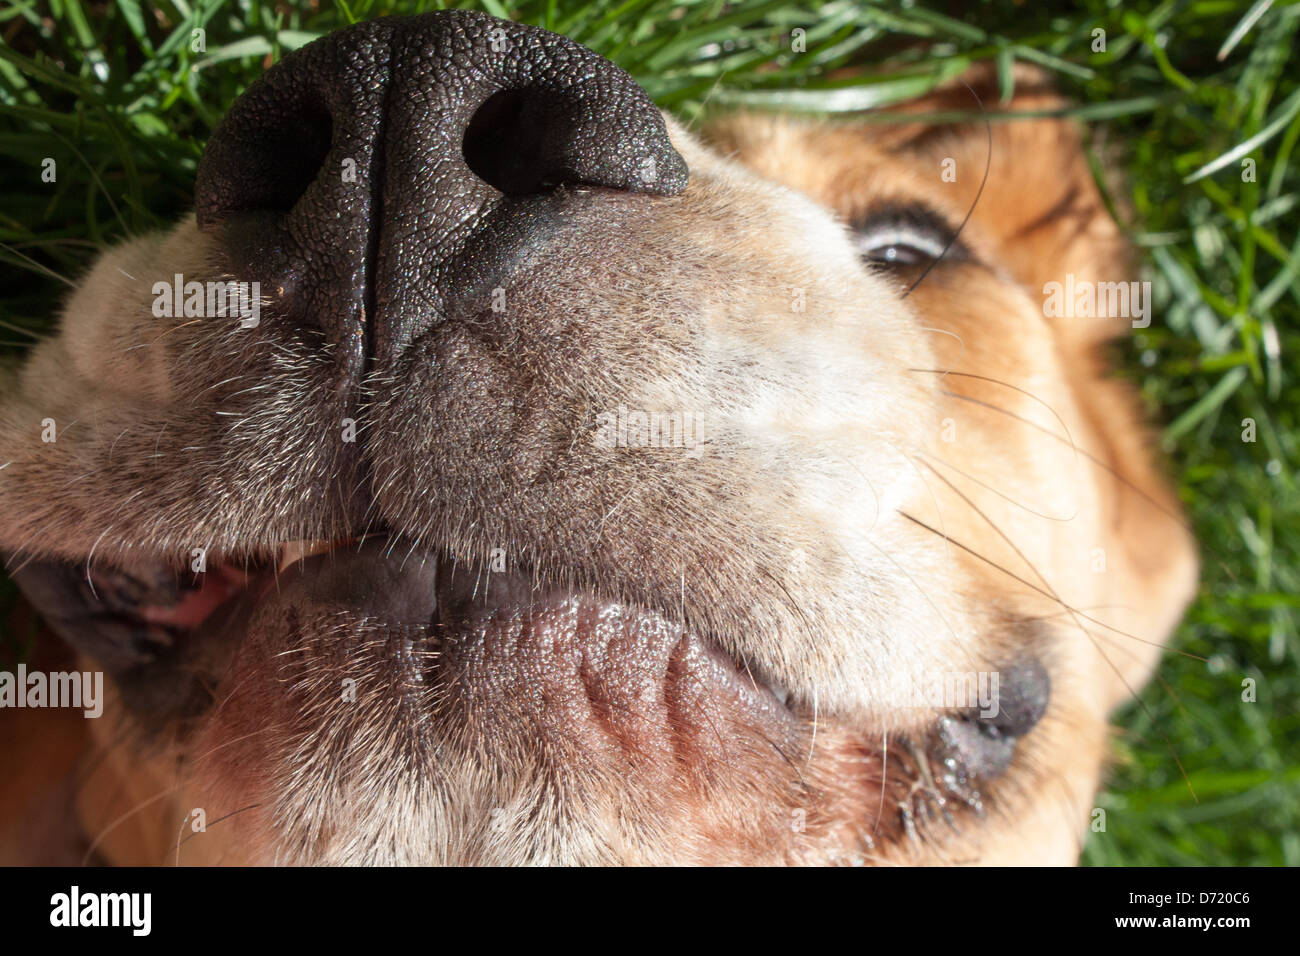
161,795
979,194
1005,497
181,841
960,341
812,744
884,776
1066,440
1044,593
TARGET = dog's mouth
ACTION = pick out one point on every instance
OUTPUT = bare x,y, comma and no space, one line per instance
500,639
168,604
462,647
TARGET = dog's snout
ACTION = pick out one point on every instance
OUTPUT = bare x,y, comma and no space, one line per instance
353,174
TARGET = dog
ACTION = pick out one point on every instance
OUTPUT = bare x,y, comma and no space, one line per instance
493,470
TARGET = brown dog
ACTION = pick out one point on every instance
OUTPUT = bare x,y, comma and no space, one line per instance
573,489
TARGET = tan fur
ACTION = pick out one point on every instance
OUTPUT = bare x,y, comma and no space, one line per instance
824,440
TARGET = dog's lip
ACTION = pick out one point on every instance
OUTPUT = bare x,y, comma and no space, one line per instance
513,594
574,663
471,601
581,693
228,595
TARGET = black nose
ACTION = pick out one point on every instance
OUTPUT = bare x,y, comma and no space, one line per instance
354,172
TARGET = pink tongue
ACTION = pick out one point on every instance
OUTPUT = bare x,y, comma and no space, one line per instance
217,587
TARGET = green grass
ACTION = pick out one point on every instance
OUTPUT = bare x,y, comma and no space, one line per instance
115,94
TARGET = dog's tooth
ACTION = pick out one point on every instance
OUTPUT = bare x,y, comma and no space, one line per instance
295,552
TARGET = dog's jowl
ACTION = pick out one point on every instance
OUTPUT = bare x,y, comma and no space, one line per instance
588,490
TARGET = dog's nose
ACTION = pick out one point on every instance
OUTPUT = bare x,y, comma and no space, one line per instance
353,174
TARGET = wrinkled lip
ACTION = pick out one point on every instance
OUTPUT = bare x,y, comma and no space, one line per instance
594,670
566,660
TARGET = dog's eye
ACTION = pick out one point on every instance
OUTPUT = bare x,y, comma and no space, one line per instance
904,236
898,247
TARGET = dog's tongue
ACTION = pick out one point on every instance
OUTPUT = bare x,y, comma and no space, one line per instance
194,606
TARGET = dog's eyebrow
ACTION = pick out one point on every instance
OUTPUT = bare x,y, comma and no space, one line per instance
919,216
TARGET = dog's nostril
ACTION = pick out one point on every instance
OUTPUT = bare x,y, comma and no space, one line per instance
1023,693
305,145
514,143
268,162
295,161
